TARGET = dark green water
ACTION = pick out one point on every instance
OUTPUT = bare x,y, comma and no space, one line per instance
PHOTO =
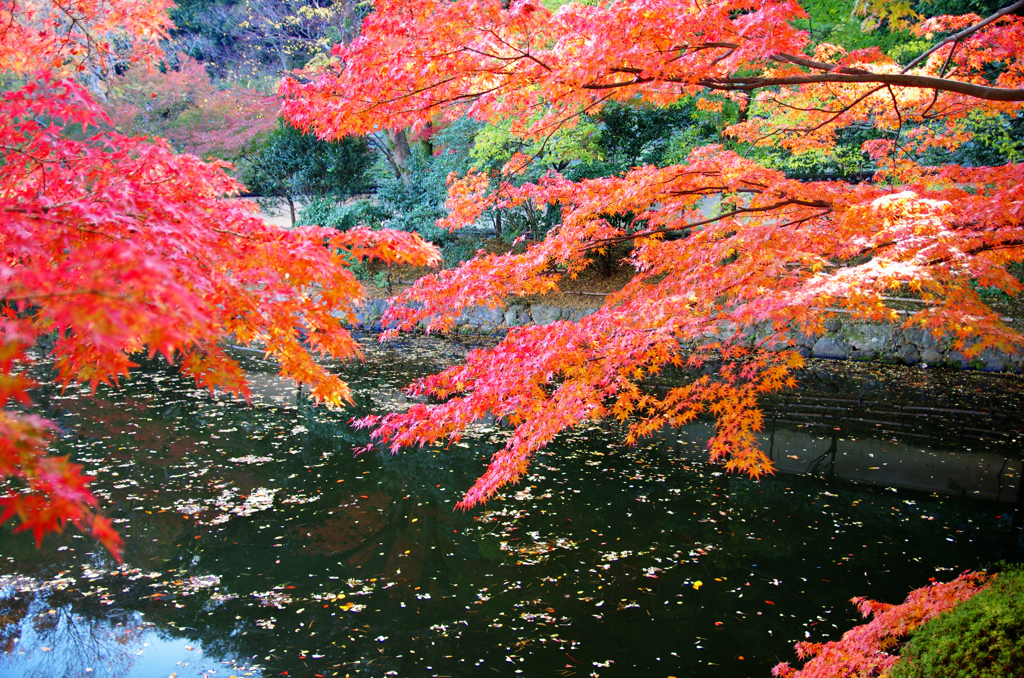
257,545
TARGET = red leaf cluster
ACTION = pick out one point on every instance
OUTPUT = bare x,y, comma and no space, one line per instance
871,649
181,104
731,259
113,245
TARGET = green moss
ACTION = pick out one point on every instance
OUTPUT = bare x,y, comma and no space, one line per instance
980,638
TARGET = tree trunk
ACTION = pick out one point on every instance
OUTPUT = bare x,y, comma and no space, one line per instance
398,145
496,220
424,142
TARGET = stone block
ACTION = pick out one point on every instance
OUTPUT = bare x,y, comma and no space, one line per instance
931,357
924,339
909,354
777,345
806,340
543,314
485,315
512,314
955,358
995,361
577,314
831,347
869,337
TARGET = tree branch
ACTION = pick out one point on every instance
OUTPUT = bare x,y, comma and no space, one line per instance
1010,9
817,204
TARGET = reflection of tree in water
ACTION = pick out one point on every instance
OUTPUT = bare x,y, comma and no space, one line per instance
61,642
824,465
13,609
399,527
379,532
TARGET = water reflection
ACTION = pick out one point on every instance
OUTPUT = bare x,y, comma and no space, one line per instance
257,544
990,473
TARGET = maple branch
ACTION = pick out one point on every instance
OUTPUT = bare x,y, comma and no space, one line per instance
990,247
899,116
984,92
820,204
59,295
524,54
805,130
1009,9
830,74
935,93
949,60
378,103
388,154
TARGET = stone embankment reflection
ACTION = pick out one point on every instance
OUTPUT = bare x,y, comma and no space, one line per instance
847,340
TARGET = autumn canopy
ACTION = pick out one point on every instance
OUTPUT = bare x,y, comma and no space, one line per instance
774,257
116,245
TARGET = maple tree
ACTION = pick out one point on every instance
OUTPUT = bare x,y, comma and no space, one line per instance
114,245
181,104
729,285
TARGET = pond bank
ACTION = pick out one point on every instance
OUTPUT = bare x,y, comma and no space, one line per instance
848,340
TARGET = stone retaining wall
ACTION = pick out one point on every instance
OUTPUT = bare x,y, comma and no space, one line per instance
841,341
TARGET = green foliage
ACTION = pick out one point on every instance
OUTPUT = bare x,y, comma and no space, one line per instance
997,140
845,159
295,165
993,294
262,37
494,145
617,138
457,250
907,50
327,212
209,24
840,22
982,8
632,136
415,201
980,638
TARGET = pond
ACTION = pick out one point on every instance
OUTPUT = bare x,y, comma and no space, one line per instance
258,545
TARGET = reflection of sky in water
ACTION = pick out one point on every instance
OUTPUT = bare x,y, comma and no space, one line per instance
56,642
255,537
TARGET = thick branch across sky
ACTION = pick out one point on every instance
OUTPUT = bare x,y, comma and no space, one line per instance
834,75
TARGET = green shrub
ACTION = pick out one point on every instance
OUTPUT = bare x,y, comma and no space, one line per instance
458,250
328,213
980,638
